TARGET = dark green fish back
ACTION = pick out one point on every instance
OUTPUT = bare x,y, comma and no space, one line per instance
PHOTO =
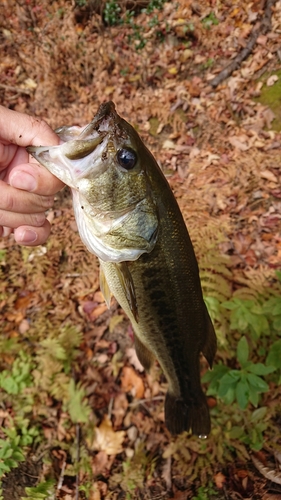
173,324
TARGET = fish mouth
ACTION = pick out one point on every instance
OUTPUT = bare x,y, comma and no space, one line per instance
105,120
106,110
78,157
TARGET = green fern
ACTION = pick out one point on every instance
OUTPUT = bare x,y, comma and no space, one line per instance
43,491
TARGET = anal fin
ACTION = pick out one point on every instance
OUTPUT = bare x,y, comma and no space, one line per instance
146,358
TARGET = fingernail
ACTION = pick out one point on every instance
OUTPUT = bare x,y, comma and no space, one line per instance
22,180
28,236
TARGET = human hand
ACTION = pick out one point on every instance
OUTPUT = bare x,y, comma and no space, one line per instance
26,188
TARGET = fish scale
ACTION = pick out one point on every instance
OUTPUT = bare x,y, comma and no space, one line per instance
131,221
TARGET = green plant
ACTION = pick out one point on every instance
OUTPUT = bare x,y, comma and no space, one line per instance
112,13
19,377
210,20
152,5
114,16
135,470
10,451
43,490
247,315
250,430
242,385
206,493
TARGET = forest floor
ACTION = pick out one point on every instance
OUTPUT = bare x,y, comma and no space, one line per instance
73,359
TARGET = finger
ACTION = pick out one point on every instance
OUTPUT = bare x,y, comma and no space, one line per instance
35,179
22,202
13,220
32,236
25,130
5,231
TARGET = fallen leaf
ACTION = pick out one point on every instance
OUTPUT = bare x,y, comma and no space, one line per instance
29,84
219,480
120,408
108,440
132,382
24,326
168,144
267,174
238,143
271,80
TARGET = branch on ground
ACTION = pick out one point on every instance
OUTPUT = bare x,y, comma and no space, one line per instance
263,27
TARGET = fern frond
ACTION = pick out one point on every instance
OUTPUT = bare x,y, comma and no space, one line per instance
259,282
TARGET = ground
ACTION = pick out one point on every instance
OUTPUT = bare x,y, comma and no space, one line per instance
71,360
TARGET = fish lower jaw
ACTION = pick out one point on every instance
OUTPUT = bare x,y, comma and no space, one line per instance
102,250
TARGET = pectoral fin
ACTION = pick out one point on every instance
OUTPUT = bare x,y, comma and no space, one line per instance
146,358
105,290
127,284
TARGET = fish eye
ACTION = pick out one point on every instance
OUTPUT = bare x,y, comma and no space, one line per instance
127,158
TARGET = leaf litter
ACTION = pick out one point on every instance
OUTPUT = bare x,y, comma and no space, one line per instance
221,155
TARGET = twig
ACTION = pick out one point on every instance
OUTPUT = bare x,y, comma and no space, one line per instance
61,478
15,89
147,400
263,28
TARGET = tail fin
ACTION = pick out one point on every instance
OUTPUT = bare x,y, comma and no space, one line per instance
192,415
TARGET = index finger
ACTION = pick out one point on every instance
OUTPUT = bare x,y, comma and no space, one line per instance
25,130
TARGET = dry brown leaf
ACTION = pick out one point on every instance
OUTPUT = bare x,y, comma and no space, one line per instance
239,143
120,408
24,326
132,382
108,440
219,480
267,174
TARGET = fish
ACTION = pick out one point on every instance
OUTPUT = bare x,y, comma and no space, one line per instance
128,217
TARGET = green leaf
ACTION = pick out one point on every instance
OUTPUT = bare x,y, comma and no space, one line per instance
274,355
9,384
242,351
229,380
236,432
78,409
17,455
257,382
230,396
214,376
259,414
242,394
41,491
9,462
253,395
260,369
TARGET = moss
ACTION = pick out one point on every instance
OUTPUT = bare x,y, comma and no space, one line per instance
271,97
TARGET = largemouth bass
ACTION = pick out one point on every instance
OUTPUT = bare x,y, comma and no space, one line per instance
127,215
